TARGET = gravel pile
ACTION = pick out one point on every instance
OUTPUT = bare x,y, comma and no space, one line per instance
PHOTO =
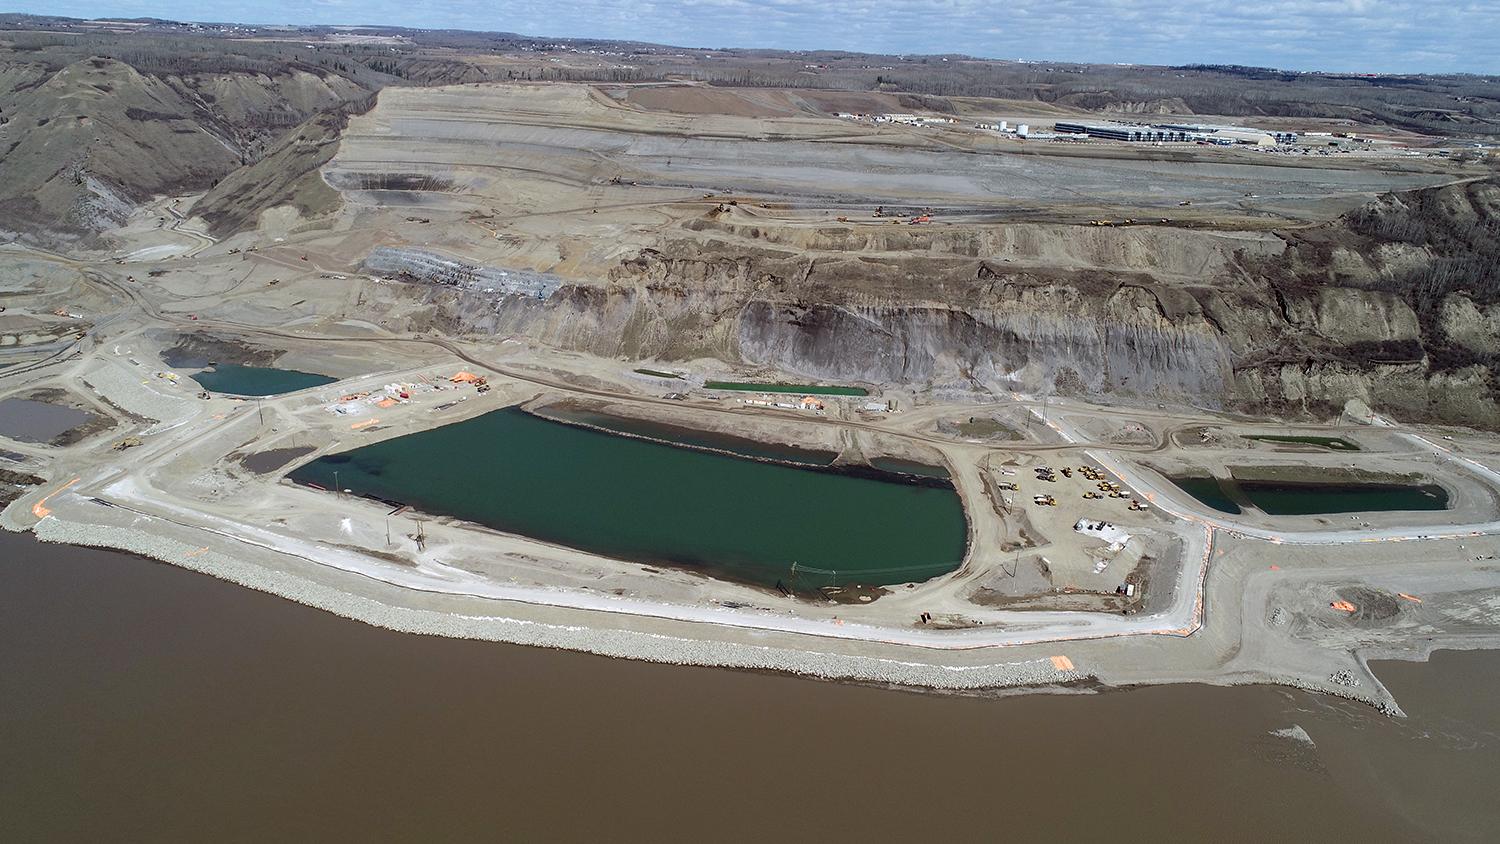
604,641
124,390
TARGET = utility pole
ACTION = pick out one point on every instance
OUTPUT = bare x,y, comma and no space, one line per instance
387,531
421,537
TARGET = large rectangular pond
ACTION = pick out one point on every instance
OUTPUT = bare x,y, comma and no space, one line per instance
1310,498
635,499
237,380
1299,499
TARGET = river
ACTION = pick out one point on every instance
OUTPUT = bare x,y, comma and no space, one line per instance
139,701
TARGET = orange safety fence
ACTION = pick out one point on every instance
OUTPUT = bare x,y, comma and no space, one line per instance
1344,606
1413,598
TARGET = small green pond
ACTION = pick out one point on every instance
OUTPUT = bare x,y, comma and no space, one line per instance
1331,443
636,499
657,373
800,389
237,380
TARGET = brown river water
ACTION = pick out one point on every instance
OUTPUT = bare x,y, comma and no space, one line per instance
139,701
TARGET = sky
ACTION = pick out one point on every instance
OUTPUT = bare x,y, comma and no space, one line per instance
1373,36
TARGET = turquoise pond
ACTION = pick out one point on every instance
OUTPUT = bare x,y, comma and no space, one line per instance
236,380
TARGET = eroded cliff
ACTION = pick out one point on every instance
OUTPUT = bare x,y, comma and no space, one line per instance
1292,323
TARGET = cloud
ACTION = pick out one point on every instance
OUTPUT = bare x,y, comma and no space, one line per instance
1352,35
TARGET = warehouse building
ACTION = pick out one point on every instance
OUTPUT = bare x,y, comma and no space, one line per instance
1177,132
1238,134
1122,132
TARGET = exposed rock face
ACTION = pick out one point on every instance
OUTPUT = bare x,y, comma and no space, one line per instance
1471,326
1345,316
432,268
1297,325
982,349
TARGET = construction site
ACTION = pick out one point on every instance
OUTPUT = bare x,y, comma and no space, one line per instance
833,317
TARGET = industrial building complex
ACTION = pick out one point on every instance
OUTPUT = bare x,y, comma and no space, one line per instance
1175,132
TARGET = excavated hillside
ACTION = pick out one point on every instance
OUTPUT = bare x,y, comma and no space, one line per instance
81,146
1394,304
288,175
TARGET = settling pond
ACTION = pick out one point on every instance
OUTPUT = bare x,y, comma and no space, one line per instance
628,498
237,380
32,421
1311,498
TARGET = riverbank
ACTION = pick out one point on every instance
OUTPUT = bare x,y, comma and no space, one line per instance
242,693
1247,643
575,629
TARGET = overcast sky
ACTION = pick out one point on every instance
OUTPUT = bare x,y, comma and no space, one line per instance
1344,35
